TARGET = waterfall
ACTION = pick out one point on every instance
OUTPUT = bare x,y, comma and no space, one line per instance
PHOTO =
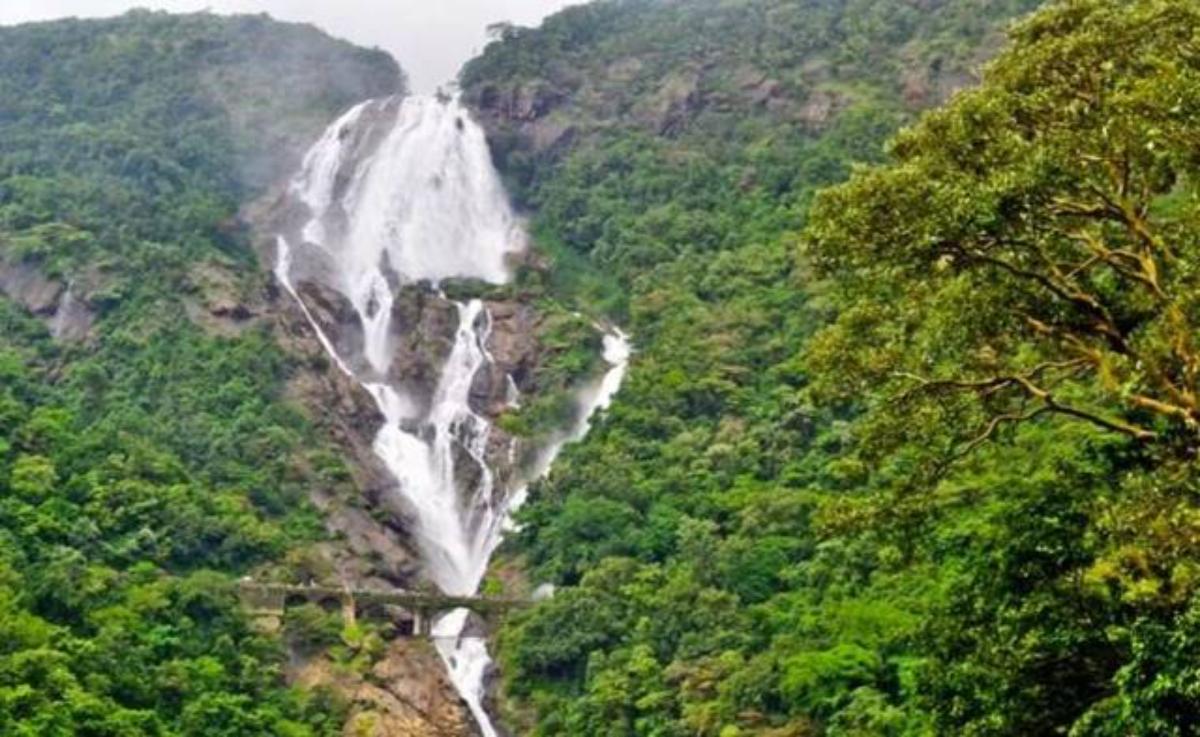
62,315
399,192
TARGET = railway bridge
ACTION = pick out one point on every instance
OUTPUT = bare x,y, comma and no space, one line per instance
412,611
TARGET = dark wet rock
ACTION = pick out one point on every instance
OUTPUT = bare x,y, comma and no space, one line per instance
475,626
514,349
528,108
231,310
335,315
467,471
527,102
422,333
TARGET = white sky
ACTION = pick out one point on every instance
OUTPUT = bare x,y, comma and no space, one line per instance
430,38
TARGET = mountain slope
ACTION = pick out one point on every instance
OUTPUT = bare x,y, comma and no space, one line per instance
925,466
147,453
736,551
740,109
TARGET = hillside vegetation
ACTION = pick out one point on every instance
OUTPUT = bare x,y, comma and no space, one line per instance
643,130
907,447
918,462
146,462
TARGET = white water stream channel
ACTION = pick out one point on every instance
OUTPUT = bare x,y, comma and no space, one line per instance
398,192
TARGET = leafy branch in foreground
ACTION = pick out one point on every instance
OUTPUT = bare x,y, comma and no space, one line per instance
1033,248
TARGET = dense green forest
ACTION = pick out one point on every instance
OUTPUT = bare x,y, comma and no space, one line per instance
147,464
906,448
640,130
914,460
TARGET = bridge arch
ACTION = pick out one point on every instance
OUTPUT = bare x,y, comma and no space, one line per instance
329,602
411,613
295,600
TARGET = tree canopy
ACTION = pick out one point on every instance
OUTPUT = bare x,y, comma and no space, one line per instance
1031,249
147,464
915,461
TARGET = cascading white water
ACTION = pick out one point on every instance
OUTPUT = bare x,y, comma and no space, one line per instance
400,192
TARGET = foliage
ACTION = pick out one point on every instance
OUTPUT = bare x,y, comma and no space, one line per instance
696,127
145,468
1061,230
1041,276
931,471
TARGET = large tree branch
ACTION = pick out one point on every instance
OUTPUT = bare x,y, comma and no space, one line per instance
1104,324
1027,384
1188,416
1185,406
1140,268
995,424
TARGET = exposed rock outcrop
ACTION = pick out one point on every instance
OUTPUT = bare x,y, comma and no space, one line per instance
401,346
369,530
25,283
220,301
527,102
406,693
63,306
335,315
525,111
820,108
371,526
422,334
513,345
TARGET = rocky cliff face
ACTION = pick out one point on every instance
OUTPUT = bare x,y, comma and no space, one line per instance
404,690
64,307
546,117
391,250
404,694
422,330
